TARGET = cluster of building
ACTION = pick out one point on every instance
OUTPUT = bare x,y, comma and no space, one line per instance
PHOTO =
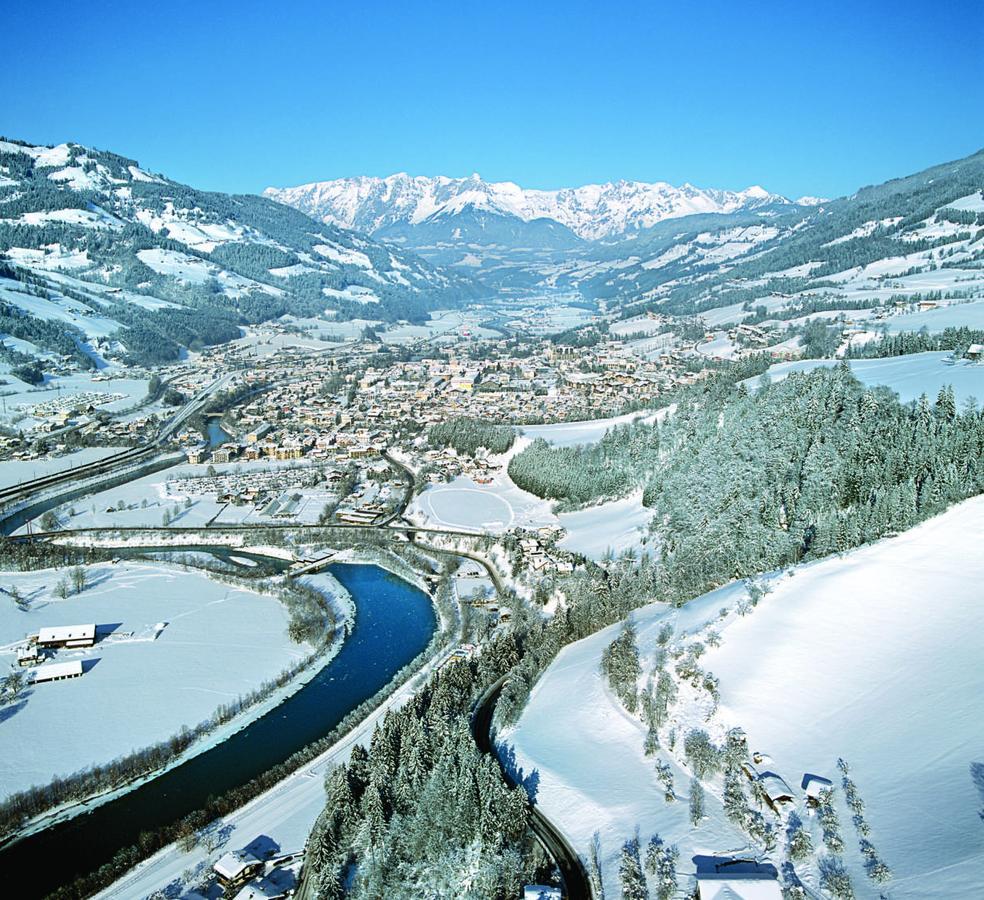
39,646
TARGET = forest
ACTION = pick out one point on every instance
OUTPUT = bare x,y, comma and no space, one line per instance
466,435
742,482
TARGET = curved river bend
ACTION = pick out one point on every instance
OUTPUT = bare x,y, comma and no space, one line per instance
394,622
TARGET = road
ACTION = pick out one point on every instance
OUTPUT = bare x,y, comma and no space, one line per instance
577,885
109,464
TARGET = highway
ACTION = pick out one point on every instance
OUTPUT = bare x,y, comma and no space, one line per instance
577,885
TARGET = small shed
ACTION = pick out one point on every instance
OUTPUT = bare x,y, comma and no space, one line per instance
58,671
812,785
975,352
67,636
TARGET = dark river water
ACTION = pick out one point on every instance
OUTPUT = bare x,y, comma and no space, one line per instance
393,623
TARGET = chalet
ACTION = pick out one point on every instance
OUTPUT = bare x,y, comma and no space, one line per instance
975,352
737,879
67,636
58,671
776,791
237,868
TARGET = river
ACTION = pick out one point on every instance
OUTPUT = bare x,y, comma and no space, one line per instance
394,622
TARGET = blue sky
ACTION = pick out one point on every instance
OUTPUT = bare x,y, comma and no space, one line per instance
238,96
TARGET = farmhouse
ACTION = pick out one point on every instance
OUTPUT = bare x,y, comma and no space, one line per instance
776,790
236,868
58,671
737,879
67,636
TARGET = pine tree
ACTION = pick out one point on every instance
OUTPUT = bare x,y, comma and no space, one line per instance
696,801
630,873
661,860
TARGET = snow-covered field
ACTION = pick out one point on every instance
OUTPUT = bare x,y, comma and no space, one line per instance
909,376
567,434
582,754
876,657
873,656
217,642
954,315
495,507
617,525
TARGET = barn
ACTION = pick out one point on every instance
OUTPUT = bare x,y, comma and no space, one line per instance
58,671
67,636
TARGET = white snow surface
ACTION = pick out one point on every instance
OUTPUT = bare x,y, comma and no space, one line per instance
876,657
873,656
218,642
617,526
909,376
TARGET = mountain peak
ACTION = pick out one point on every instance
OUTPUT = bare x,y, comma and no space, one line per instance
591,211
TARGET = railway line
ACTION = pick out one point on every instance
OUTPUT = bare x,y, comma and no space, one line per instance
124,458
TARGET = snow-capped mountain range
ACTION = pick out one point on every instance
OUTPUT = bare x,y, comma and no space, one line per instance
592,212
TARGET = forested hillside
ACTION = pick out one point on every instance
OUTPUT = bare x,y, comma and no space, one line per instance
701,262
743,482
95,227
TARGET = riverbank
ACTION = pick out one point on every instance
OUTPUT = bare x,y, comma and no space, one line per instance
394,636
343,611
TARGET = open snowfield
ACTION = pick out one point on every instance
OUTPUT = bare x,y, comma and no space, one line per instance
495,507
617,525
954,315
909,376
873,656
876,657
583,755
567,434
217,642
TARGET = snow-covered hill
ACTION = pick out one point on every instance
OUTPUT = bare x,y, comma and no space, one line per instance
872,657
131,239
591,212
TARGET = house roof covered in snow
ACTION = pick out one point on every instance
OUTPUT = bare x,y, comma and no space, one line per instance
736,879
58,670
233,864
738,886
813,784
261,889
67,633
